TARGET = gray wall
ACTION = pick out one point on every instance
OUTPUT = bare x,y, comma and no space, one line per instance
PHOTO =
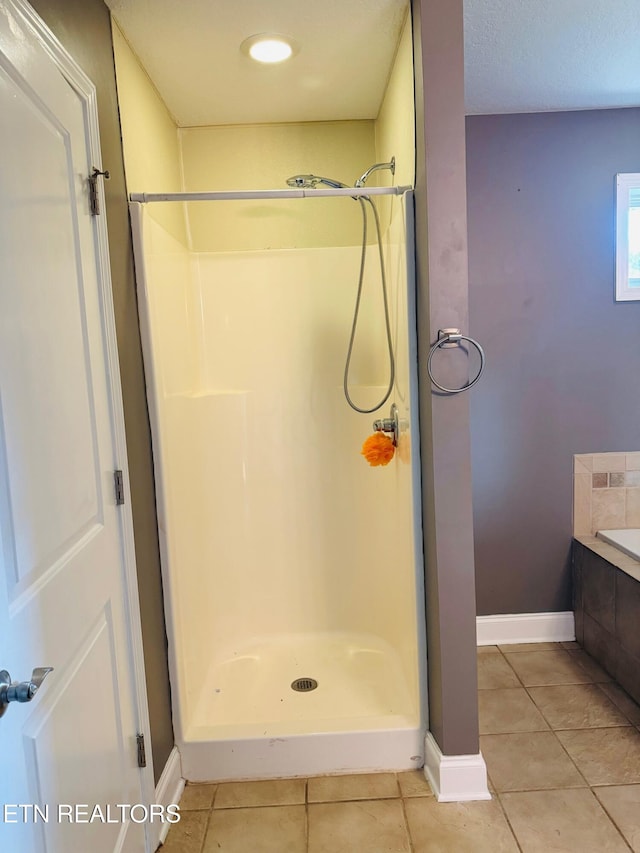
563,359
441,258
84,28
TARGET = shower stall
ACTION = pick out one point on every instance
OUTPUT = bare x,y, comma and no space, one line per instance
292,569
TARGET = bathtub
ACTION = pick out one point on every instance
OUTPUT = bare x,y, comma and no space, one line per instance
627,541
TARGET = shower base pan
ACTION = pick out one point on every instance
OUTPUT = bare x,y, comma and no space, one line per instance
249,722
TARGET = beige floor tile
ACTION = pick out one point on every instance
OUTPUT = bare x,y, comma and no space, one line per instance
488,650
508,710
197,797
277,792
570,644
187,835
494,671
274,829
605,756
551,667
370,826
623,806
593,669
622,699
529,647
365,786
413,784
528,761
577,706
458,827
569,821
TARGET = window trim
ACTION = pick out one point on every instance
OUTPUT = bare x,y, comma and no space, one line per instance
625,182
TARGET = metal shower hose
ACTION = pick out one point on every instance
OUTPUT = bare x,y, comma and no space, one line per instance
453,336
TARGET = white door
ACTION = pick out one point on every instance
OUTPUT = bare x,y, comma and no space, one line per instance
66,596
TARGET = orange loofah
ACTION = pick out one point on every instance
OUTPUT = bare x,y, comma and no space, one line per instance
378,449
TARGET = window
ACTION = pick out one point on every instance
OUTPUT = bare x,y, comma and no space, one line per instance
628,237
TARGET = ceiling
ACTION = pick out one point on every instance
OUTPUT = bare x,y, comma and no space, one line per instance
540,55
520,56
191,51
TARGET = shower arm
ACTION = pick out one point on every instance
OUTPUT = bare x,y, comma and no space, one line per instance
391,166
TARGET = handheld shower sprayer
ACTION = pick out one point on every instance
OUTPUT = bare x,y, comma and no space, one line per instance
311,181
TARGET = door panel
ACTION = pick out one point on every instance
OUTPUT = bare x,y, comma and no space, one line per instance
45,342
56,752
63,592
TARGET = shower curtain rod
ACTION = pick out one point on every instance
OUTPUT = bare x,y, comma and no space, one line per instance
239,195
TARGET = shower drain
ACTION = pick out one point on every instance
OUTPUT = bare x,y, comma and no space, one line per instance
303,685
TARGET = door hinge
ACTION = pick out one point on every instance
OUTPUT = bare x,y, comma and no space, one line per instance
94,200
119,484
142,755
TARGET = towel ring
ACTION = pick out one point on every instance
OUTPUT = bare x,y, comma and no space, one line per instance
451,338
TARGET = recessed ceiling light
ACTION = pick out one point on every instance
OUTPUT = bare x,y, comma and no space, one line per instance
269,48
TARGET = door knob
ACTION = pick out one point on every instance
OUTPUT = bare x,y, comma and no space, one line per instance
20,691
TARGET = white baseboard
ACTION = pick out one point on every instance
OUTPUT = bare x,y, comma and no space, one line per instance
525,628
454,778
168,791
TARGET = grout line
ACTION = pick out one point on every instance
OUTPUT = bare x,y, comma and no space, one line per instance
404,814
306,814
506,817
407,828
602,806
520,681
539,709
356,800
537,790
564,749
208,826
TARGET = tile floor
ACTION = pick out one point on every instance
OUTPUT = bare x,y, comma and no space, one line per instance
562,747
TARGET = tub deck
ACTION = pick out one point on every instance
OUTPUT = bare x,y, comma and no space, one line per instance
627,541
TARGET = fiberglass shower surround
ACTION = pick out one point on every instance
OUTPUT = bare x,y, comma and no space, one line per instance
313,181
285,556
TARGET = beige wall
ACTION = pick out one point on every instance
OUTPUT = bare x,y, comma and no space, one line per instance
395,131
395,126
149,136
263,157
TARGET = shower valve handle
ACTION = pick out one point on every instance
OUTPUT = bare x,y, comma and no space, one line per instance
390,424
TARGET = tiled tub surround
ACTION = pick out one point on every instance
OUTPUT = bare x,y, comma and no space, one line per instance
607,609
606,492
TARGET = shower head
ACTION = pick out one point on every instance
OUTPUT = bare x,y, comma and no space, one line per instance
311,181
391,166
